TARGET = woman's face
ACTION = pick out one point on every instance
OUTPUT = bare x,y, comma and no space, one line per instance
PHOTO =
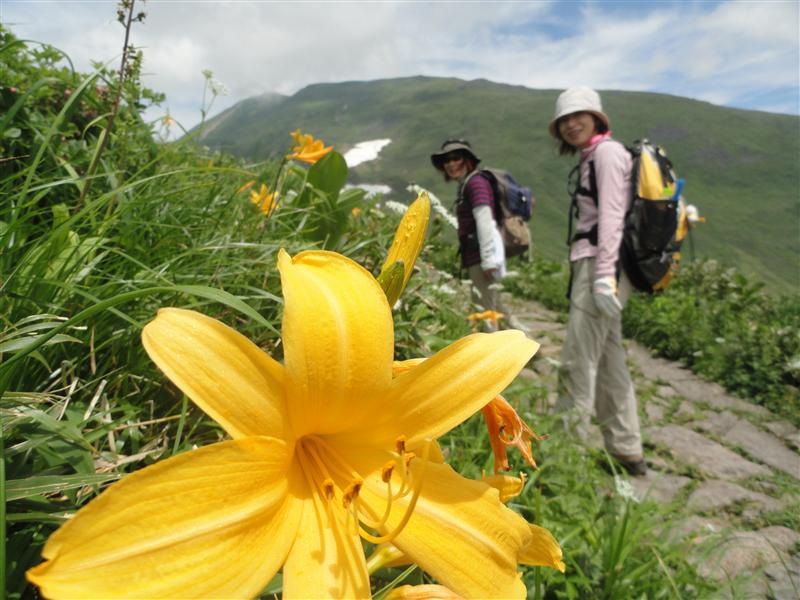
577,128
455,165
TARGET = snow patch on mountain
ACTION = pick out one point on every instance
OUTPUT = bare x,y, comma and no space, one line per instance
365,151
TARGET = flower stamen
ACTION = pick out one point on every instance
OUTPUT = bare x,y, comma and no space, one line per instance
387,470
411,504
351,492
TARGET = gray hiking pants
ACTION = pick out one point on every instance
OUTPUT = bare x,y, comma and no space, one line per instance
593,373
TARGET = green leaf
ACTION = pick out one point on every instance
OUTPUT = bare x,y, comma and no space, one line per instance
391,280
17,489
352,197
12,132
228,299
329,174
17,344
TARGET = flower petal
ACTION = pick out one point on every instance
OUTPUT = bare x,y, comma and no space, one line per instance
543,550
422,592
507,486
459,532
157,532
338,339
327,559
430,399
225,374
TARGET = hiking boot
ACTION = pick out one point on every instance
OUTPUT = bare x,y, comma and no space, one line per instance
635,466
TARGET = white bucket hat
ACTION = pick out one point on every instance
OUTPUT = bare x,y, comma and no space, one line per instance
577,99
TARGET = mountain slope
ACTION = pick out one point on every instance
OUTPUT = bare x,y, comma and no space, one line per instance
741,166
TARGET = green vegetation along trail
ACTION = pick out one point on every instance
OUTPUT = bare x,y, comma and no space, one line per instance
730,467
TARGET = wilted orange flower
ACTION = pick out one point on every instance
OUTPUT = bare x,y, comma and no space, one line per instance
265,200
506,428
307,148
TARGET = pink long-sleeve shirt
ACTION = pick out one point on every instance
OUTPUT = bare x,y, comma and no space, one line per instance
612,165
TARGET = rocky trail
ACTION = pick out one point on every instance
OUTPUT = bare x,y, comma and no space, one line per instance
729,466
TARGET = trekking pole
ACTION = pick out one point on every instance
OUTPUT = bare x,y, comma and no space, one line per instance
689,228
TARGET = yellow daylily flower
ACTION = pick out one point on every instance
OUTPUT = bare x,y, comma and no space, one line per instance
307,148
265,200
422,592
409,237
327,449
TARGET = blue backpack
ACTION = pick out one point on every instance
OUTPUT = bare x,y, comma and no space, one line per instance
513,208
516,198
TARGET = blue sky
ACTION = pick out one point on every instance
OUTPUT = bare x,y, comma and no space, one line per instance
744,54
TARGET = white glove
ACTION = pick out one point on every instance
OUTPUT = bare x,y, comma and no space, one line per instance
492,274
605,297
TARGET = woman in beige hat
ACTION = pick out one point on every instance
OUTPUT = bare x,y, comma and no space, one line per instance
593,373
480,245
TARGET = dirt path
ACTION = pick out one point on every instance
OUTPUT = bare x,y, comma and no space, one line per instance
730,466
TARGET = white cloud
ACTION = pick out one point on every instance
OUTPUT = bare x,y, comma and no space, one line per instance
731,52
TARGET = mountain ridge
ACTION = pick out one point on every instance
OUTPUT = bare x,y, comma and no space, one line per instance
741,166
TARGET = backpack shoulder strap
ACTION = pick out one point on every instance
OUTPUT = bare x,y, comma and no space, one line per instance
574,185
489,176
462,186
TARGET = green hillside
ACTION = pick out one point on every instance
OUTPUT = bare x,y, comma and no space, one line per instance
742,167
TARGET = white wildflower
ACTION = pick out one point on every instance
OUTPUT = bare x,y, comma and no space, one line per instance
624,489
397,207
444,289
218,88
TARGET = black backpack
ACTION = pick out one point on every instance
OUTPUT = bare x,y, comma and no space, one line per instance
651,242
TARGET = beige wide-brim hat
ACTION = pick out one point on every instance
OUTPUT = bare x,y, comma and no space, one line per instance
577,99
437,158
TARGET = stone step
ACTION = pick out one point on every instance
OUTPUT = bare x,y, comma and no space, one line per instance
704,454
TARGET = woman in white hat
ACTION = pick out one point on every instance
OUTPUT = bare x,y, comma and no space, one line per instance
480,245
593,373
